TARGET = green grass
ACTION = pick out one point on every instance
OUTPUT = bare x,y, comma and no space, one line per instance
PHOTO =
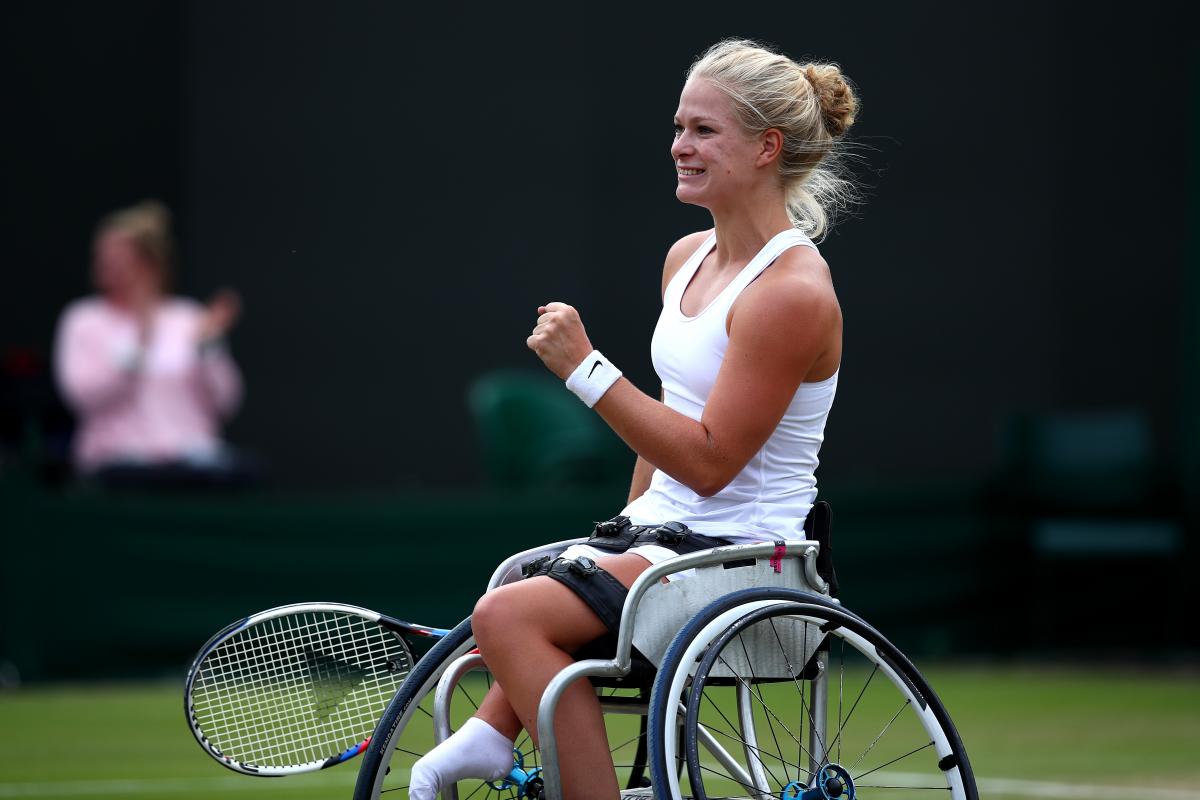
1071,726
1104,727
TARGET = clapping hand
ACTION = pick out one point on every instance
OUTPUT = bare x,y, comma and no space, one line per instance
219,316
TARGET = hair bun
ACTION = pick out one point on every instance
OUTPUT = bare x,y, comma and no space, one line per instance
838,103
153,212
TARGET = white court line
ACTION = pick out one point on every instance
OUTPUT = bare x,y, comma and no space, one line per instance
1017,787
156,786
233,783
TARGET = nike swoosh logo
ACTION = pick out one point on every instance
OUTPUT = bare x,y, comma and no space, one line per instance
598,363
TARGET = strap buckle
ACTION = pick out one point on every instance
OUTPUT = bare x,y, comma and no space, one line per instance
535,567
583,566
671,532
611,527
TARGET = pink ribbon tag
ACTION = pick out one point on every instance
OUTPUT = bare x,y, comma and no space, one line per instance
777,559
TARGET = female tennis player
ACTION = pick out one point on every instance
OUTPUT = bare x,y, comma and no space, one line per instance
748,347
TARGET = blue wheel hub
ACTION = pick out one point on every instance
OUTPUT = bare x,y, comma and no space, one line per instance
527,782
832,782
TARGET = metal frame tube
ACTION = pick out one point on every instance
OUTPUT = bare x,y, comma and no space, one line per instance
818,698
745,710
441,703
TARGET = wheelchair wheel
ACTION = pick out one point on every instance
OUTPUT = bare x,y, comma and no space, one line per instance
781,692
406,730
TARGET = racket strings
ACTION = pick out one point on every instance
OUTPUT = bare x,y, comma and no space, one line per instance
297,689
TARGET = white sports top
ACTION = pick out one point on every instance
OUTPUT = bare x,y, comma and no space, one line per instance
772,495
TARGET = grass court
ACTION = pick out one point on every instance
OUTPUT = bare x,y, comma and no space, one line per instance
1031,732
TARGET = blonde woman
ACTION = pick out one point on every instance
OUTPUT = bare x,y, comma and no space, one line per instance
748,347
146,373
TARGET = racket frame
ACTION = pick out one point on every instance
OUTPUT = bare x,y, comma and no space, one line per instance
399,628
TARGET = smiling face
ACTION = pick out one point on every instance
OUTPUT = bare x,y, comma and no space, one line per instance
715,159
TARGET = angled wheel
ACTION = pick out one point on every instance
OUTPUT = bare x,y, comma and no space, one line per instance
782,694
405,731
409,727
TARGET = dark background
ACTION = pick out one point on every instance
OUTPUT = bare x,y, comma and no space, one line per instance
395,189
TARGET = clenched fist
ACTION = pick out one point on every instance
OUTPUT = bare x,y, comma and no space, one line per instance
559,339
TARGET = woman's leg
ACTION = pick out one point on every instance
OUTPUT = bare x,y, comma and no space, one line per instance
527,632
496,711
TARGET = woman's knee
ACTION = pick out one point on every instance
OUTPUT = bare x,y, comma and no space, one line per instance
508,608
489,616
523,607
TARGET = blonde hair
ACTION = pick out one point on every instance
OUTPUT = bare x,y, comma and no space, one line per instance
812,105
148,224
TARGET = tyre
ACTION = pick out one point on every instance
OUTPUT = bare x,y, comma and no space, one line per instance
777,690
406,730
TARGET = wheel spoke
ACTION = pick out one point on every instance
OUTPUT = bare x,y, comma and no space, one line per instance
770,725
399,749
850,713
467,694
475,791
744,743
763,703
730,778
893,761
878,736
805,708
625,743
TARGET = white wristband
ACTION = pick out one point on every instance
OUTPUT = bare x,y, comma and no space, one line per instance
594,376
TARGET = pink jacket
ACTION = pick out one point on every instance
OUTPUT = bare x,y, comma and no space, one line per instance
161,405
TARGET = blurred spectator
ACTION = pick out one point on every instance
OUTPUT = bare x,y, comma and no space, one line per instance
147,374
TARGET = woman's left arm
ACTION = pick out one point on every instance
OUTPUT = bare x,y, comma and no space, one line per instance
781,326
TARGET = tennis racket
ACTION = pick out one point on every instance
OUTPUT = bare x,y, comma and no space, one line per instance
297,688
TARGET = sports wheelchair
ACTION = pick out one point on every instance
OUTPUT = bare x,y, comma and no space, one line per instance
747,679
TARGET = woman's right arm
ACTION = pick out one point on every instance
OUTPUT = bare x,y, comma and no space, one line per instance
90,374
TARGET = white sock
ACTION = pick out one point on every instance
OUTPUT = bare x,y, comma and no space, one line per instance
476,750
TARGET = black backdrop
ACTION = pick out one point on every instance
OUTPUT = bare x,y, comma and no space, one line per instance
394,190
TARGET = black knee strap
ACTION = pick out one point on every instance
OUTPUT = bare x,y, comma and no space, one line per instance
604,594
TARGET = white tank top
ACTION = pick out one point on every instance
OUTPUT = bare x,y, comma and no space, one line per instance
773,494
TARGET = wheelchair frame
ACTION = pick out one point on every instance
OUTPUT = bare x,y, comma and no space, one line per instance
620,664
812,593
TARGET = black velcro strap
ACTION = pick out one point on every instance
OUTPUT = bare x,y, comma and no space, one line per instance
595,586
678,537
